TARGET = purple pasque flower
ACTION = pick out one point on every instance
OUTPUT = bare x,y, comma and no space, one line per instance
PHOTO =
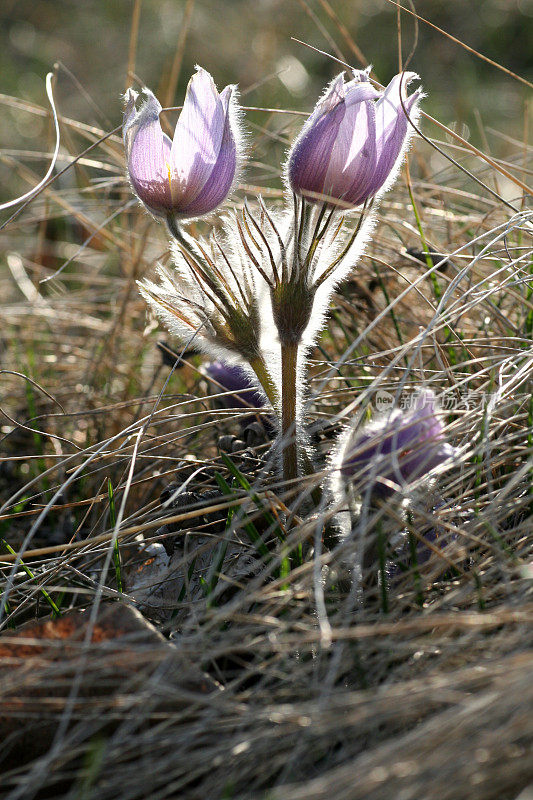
192,174
396,449
234,379
351,147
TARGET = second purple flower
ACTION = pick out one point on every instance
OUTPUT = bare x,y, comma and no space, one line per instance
351,146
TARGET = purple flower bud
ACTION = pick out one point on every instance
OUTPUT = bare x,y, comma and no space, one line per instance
232,378
193,174
351,146
396,449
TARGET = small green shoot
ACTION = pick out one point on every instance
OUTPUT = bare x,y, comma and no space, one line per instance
29,573
285,566
249,527
184,587
244,484
452,355
116,548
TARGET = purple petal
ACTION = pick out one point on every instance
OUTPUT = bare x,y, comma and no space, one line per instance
392,125
223,172
350,145
389,105
147,153
351,172
399,448
310,157
197,138
334,139
332,97
233,378
193,174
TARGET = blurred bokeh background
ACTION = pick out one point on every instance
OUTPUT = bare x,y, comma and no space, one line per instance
249,42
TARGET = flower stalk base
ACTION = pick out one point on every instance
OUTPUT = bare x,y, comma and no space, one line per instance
289,362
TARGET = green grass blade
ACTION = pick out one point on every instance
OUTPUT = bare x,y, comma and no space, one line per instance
116,548
245,484
249,527
29,573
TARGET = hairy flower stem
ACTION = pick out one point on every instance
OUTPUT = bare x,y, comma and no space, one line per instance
177,234
289,360
259,367
173,228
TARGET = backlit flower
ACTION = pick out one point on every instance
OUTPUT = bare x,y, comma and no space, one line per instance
351,146
192,174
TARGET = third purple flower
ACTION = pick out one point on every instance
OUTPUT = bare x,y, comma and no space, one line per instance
397,449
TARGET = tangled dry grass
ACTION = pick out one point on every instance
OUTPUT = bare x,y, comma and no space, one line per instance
211,672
